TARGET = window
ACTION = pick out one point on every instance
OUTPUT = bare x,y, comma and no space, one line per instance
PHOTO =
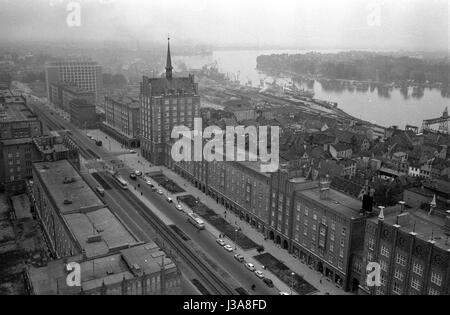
315,217
370,257
436,278
401,260
415,284
383,280
432,291
398,275
397,288
331,248
344,231
384,251
332,237
383,265
418,269
371,243
333,225
341,253
379,291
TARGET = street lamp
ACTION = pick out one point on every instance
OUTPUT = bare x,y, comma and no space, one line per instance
292,282
235,239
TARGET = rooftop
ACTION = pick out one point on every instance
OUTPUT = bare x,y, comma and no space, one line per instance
427,227
99,232
336,201
159,86
15,112
65,184
109,270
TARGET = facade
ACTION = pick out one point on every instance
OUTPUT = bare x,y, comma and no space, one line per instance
18,125
122,120
63,94
321,226
412,249
84,75
139,270
324,228
165,102
82,114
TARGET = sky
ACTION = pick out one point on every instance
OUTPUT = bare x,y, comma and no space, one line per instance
333,24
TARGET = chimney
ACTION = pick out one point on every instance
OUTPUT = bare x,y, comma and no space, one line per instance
402,206
381,214
324,185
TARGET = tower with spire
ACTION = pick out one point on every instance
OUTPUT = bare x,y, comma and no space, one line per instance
166,102
169,67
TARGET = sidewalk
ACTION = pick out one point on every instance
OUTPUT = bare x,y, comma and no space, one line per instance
136,161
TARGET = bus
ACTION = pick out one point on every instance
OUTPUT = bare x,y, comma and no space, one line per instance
123,183
196,221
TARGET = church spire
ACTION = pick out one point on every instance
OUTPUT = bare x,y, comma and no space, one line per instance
169,67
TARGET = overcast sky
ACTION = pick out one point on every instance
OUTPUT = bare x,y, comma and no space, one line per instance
357,24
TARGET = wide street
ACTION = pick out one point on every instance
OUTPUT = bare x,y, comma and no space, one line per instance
218,257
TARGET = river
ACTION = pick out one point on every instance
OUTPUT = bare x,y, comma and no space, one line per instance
385,110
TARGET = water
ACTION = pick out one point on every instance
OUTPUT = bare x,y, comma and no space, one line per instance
394,109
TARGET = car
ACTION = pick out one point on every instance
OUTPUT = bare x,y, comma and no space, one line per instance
239,257
149,183
259,274
179,208
228,248
169,200
133,176
268,282
284,293
160,192
133,152
138,173
221,242
100,190
250,266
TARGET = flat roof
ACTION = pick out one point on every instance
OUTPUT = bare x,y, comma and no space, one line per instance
109,270
427,227
336,201
102,224
21,205
77,192
16,112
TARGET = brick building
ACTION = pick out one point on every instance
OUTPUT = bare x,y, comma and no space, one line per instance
413,251
165,102
122,120
83,114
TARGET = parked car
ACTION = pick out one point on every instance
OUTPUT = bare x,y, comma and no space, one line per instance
179,208
250,266
133,152
149,183
169,200
160,192
221,242
268,282
133,176
138,173
228,248
259,274
239,257
284,293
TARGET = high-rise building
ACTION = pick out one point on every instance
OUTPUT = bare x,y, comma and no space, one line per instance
165,103
122,119
85,75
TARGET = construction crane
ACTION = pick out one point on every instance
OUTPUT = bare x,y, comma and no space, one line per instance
441,122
